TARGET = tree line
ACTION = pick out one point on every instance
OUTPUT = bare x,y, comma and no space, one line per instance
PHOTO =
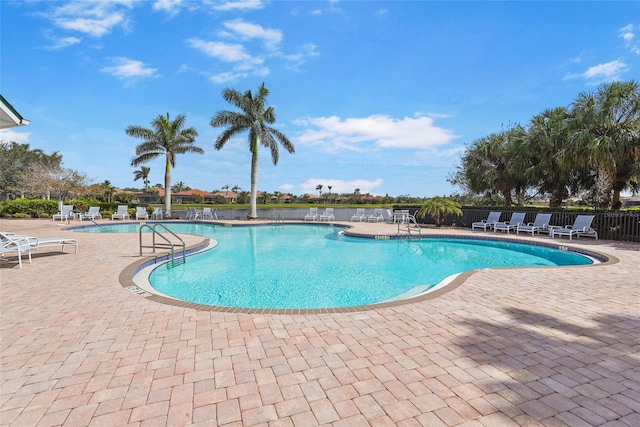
590,149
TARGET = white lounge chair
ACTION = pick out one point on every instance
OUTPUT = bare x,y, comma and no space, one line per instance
11,241
65,214
327,215
376,216
193,213
122,213
209,213
141,213
488,223
360,215
157,213
390,216
92,213
516,219
312,215
581,227
18,245
539,224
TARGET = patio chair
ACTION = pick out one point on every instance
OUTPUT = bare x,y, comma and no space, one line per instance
390,216
65,214
193,213
516,219
207,213
488,223
141,213
92,213
122,213
157,213
581,227
539,224
359,215
18,245
376,216
327,215
40,242
312,215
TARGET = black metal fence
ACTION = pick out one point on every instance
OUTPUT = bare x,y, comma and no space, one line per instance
622,226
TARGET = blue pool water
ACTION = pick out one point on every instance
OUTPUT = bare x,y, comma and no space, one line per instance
314,266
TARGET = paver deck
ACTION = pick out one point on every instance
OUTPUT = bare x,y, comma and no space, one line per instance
545,346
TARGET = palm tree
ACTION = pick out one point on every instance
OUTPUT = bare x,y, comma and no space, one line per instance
108,189
607,124
166,138
142,173
489,165
254,117
439,207
546,156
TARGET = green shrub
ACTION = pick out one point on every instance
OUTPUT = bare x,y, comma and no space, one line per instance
35,208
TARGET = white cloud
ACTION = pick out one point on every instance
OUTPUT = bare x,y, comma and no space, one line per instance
130,70
340,186
62,42
607,71
239,4
358,134
9,135
224,51
248,31
171,7
95,18
627,33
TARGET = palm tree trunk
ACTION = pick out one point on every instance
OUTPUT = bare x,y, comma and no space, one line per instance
167,189
253,211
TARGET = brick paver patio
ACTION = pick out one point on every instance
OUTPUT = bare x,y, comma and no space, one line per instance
545,346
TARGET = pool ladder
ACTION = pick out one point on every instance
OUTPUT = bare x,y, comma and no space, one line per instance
409,224
167,244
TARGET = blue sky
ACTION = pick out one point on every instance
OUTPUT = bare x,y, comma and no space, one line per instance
380,96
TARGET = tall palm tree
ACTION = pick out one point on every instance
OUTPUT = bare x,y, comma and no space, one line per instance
166,138
143,174
607,124
544,152
488,165
253,117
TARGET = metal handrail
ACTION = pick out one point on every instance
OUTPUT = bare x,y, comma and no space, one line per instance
167,245
409,220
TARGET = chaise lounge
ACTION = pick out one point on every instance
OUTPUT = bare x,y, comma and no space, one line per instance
581,227
539,224
488,223
516,219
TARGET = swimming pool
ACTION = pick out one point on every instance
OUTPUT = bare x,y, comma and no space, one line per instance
304,266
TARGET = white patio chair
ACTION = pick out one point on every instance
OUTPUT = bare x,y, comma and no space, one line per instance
92,213
157,213
360,215
122,213
141,213
65,214
312,215
376,216
516,219
488,223
581,227
539,224
327,215
18,245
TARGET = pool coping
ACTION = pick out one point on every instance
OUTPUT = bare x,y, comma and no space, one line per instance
126,277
